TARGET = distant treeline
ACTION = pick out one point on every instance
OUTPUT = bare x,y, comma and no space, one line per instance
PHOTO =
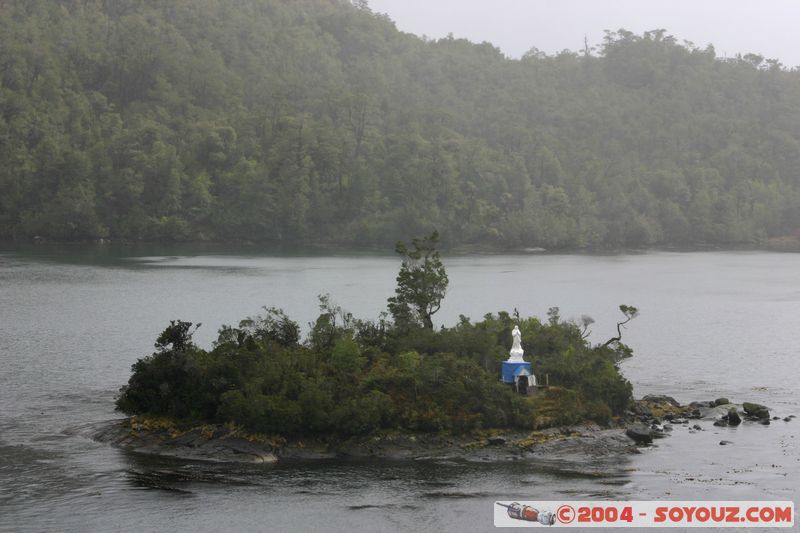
318,121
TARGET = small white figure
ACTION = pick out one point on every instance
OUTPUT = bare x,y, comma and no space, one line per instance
516,352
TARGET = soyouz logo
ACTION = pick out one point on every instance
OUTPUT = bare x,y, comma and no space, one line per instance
618,514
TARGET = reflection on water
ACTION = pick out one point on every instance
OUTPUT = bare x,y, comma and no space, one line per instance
73,320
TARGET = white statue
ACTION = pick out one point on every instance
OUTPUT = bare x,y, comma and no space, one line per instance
516,352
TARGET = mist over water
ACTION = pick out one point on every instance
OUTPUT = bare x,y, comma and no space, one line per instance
73,320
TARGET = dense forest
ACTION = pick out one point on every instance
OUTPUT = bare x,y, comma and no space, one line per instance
355,377
317,121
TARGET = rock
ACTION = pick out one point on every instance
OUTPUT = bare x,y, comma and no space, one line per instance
660,398
695,414
667,428
640,434
756,410
792,416
720,401
697,405
788,418
697,427
733,417
659,434
497,441
721,423
724,442
643,410
776,418
764,421
669,416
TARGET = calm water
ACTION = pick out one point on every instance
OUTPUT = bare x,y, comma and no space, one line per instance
73,320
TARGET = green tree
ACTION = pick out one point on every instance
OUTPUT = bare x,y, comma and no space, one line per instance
421,283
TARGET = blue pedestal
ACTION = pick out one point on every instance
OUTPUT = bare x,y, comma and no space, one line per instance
510,369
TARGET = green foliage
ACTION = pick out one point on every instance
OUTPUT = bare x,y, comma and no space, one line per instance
352,377
421,283
177,336
317,120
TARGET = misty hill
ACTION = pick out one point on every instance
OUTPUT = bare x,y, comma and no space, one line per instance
317,120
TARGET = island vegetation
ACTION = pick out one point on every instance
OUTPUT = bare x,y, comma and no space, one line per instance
317,121
351,377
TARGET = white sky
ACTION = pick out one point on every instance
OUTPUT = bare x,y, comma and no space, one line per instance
767,27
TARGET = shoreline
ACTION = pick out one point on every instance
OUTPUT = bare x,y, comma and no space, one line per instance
219,444
584,442
776,245
650,418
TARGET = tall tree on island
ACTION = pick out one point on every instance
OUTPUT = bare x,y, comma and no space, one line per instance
421,283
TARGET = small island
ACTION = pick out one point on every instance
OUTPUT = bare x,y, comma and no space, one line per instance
392,387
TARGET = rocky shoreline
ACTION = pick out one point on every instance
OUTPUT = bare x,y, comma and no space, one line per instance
650,418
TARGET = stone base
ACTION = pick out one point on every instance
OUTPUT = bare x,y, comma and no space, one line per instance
509,368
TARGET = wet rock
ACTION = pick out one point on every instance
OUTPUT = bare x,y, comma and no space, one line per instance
697,427
669,416
764,422
697,405
787,419
776,418
721,423
659,433
661,398
720,401
724,442
667,428
640,434
733,417
497,441
755,410
695,414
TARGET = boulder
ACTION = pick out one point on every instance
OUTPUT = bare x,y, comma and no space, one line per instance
756,410
721,423
497,441
697,427
720,401
733,417
640,434
661,398
659,434
724,442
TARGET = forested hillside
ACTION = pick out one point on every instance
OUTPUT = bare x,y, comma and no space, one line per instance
317,121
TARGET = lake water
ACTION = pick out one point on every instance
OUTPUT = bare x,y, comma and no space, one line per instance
74,319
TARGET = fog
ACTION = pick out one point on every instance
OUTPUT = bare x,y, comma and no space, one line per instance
768,28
